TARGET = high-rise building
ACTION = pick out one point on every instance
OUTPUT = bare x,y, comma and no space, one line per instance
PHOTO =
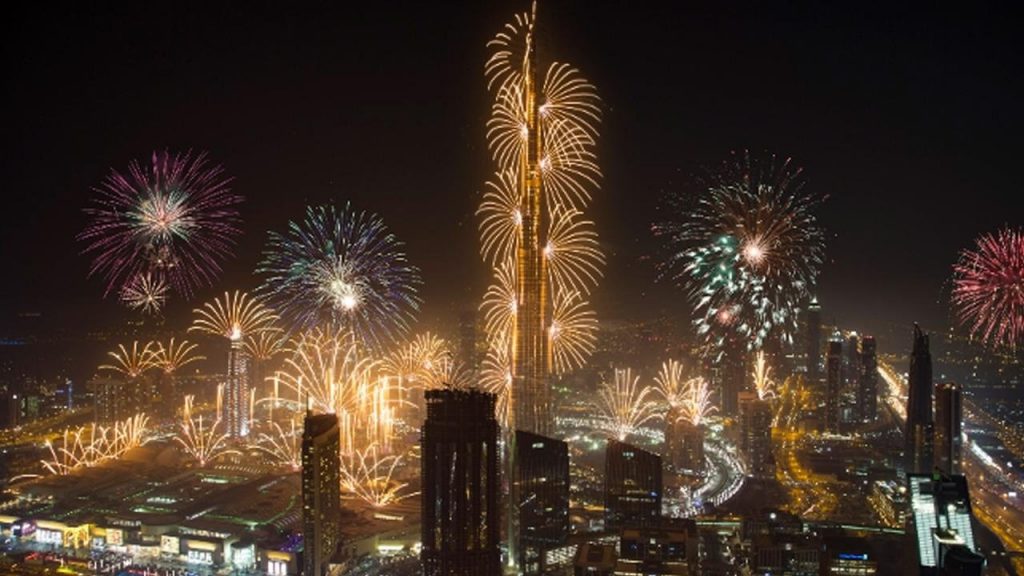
542,482
236,392
948,419
756,435
633,486
684,445
941,506
867,388
459,471
833,384
321,492
117,399
731,373
919,434
814,343
851,364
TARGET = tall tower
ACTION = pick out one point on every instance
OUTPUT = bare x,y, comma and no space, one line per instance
833,384
918,436
813,343
460,514
321,492
867,388
948,420
236,392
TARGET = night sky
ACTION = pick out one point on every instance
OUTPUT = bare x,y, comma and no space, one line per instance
909,121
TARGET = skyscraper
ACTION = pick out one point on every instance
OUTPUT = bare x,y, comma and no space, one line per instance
542,478
943,524
459,467
833,384
851,364
948,419
321,492
633,486
813,343
756,435
919,435
867,389
236,392
684,445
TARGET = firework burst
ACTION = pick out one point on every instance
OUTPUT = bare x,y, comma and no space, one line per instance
175,219
673,386
369,476
146,293
343,267
625,404
234,317
283,446
175,355
697,406
92,445
133,362
747,250
988,288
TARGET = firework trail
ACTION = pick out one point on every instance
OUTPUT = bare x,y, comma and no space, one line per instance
673,387
369,476
697,405
201,443
625,404
747,250
762,375
342,267
92,445
174,220
175,355
988,288
135,361
283,446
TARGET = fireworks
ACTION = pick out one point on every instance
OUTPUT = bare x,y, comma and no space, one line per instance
91,445
367,475
343,267
544,253
234,317
284,447
328,373
133,362
174,220
496,378
175,355
672,386
747,250
697,406
145,292
988,288
265,345
763,384
625,404
200,442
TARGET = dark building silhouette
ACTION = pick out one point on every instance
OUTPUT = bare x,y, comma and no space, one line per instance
730,373
684,445
321,492
756,435
542,482
919,435
948,419
833,384
460,519
633,486
814,343
851,364
867,385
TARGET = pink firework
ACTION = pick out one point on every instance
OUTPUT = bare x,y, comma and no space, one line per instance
988,288
174,219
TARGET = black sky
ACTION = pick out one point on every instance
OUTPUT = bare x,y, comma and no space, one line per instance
908,119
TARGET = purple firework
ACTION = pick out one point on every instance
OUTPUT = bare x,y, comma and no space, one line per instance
175,219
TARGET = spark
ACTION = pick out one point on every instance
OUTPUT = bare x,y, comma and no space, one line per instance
201,443
284,447
265,345
572,332
135,361
673,386
175,355
91,445
697,406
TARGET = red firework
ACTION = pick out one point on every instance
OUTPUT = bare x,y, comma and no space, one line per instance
988,288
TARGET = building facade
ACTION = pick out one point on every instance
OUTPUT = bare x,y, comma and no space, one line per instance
459,466
919,433
867,385
321,492
948,422
542,482
633,486
833,384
